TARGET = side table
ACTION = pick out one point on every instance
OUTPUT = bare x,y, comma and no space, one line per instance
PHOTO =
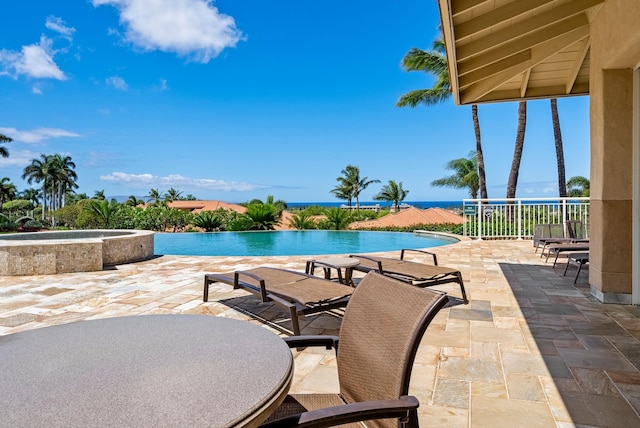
337,263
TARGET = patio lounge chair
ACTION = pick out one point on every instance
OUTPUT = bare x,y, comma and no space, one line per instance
419,274
300,293
382,327
544,232
572,247
576,232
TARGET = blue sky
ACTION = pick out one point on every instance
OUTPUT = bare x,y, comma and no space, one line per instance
241,99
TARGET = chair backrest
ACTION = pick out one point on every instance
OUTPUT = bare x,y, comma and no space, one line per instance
576,229
382,327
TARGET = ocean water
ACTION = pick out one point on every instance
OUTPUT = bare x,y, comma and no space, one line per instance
417,204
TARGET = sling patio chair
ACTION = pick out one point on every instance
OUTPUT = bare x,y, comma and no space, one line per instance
576,233
298,292
419,274
381,330
546,232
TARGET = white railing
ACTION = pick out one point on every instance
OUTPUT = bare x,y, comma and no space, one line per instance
516,218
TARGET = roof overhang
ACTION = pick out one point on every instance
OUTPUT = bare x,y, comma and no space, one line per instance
505,50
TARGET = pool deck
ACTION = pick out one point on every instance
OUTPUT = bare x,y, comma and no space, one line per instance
531,348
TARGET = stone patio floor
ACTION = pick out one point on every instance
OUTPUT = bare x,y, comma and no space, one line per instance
531,349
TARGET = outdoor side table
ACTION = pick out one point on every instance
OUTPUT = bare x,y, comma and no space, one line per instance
143,371
337,263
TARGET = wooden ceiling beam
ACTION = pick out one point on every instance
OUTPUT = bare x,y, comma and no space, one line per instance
538,54
460,6
577,65
493,69
522,28
533,39
542,92
525,82
503,13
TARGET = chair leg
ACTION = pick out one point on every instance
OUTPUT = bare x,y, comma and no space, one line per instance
294,321
464,293
566,266
580,263
205,295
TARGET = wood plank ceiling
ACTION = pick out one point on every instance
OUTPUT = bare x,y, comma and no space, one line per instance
501,50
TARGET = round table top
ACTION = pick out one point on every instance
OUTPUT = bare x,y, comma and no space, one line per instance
341,262
151,370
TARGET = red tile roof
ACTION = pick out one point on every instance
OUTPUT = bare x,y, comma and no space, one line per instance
410,217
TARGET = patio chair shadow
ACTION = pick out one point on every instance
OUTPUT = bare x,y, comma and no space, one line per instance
590,350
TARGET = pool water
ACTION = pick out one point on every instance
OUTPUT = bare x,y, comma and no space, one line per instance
291,243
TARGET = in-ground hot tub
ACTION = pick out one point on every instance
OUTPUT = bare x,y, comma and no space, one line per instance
42,253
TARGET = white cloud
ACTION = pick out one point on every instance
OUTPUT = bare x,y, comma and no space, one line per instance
36,90
175,180
191,28
117,82
56,24
34,61
19,158
37,135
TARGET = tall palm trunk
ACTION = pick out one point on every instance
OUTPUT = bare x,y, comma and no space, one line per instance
517,152
44,198
482,182
557,134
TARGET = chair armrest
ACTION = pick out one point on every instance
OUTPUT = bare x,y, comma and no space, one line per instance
435,258
353,412
304,341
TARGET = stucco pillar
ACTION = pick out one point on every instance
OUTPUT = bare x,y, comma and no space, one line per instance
610,260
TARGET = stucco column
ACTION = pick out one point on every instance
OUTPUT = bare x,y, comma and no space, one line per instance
610,260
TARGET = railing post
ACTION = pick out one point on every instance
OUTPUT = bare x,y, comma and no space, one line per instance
519,220
479,214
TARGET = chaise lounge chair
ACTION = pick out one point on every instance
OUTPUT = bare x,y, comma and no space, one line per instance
576,233
572,247
419,274
300,293
382,327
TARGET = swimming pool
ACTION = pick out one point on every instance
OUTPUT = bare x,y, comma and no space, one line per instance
291,243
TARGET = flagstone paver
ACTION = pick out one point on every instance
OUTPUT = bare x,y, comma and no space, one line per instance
531,349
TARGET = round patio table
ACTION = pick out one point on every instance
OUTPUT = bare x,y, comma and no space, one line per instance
151,370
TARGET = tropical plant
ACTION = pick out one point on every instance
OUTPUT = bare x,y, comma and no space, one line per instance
465,175
103,210
302,221
578,186
209,220
343,192
434,62
63,179
3,150
337,219
517,151
178,219
263,216
351,183
7,190
99,195
557,134
280,205
392,192
18,207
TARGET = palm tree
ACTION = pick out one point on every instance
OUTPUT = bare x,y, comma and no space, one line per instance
434,62
343,192
263,216
7,190
465,175
154,196
38,171
555,119
392,192
132,201
353,184
172,195
30,195
337,219
99,195
3,150
63,178
578,186
517,152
